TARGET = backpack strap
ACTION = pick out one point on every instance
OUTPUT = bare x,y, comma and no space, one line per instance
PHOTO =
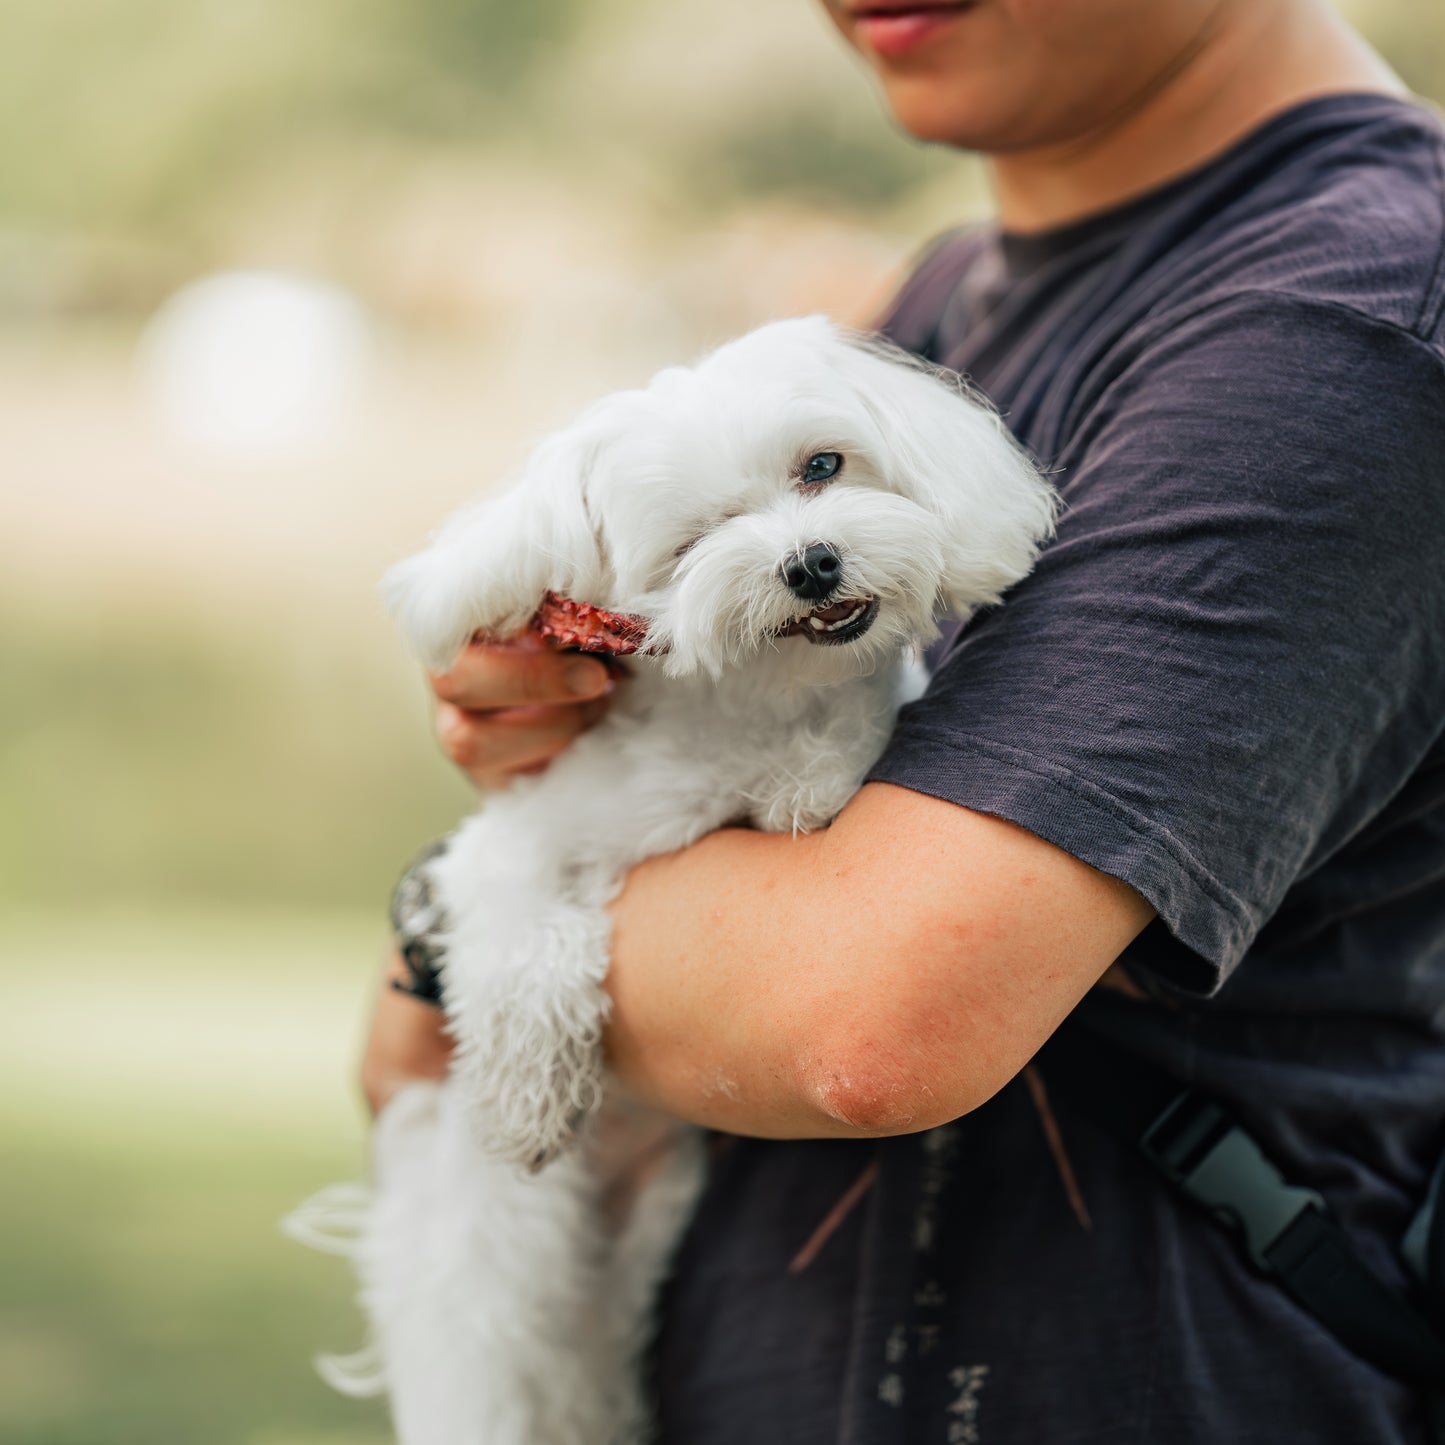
1284,1231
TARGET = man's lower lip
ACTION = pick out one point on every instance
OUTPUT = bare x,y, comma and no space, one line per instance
901,31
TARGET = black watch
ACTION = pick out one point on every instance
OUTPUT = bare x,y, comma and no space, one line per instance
418,924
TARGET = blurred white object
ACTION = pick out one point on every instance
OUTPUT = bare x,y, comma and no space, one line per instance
256,364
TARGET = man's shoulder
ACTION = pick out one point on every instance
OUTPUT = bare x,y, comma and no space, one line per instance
1351,214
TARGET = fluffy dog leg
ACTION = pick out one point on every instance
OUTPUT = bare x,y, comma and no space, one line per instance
524,997
483,1287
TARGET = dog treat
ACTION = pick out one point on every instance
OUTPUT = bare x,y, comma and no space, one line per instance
589,628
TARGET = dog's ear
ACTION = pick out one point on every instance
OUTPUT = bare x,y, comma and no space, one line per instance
948,450
489,567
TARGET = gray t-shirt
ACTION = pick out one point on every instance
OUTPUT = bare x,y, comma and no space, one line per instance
1224,684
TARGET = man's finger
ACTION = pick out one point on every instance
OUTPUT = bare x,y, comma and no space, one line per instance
486,676
490,745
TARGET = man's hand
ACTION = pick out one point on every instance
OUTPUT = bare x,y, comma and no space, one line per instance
508,708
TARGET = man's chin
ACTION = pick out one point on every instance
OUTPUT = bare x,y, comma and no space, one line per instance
969,112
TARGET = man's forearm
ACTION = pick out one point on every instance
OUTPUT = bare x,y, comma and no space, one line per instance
882,976
715,976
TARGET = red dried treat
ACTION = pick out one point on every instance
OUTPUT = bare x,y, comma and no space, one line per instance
589,628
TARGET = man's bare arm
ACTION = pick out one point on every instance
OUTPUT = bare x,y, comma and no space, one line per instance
883,976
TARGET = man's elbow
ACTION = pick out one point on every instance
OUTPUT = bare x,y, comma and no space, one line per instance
874,1077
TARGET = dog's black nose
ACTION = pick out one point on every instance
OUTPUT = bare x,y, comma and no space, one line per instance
814,572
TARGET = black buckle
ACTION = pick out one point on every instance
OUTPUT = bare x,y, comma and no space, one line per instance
1198,1146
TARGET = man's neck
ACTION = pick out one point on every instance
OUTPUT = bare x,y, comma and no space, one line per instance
1248,64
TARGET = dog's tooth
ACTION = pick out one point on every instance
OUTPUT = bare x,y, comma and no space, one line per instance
817,624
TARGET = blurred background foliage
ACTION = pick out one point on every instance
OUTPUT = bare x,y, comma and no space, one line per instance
213,755
142,137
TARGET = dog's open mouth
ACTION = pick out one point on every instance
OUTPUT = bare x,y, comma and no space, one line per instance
840,622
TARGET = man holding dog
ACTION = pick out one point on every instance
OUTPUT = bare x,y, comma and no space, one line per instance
1195,758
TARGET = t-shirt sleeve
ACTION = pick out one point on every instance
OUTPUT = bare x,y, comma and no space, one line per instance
1233,653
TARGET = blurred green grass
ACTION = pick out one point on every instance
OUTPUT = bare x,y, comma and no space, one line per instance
151,1142
152,757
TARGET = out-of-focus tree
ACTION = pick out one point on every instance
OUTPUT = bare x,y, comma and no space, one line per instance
154,124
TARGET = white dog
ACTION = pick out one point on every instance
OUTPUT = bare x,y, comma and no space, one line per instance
789,517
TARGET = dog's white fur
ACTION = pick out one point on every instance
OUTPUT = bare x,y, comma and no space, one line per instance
505,1309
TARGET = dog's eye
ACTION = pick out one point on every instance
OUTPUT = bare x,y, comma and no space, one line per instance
821,467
